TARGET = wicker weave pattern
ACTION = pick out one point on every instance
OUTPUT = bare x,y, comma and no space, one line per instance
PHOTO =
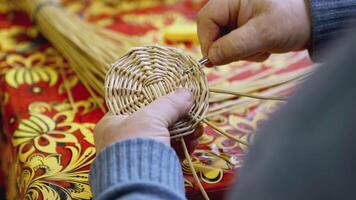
146,73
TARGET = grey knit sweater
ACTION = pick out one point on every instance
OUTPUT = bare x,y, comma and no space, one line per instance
331,21
137,168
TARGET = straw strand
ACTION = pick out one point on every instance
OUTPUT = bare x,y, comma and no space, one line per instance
240,94
191,166
223,133
68,90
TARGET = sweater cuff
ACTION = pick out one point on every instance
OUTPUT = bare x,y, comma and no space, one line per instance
330,21
137,160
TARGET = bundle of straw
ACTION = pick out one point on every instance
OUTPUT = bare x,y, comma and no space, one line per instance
88,48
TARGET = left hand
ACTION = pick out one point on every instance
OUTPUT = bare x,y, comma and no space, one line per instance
151,121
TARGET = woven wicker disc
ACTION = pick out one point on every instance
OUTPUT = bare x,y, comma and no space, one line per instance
146,73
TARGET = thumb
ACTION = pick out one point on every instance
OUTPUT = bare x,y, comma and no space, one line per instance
240,43
167,109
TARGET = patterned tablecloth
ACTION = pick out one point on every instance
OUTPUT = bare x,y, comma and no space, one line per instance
46,148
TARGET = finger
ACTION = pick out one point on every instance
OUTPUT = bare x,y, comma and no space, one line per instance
177,146
191,141
208,32
112,118
108,120
191,146
167,109
109,116
211,19
196,134
238,44
258,58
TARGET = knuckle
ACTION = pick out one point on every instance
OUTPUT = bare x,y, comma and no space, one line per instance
142,119
143,116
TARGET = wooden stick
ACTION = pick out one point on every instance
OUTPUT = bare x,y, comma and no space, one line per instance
187,156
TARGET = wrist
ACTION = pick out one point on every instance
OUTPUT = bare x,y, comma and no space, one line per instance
149,161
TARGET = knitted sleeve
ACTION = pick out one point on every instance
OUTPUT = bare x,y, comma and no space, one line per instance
331,20
137,169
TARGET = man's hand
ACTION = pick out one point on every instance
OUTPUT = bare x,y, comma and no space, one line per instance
149,122
232,30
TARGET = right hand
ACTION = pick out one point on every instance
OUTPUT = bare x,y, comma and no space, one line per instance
232,30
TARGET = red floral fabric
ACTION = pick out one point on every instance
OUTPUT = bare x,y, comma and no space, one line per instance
47,147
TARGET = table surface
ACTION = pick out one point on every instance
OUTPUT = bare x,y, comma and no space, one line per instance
46,148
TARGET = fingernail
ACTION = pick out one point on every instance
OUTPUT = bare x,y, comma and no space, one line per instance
184,93
215,55
209,64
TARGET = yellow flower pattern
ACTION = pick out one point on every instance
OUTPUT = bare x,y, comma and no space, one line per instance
41,176
8,41
44,132
29,70
44,169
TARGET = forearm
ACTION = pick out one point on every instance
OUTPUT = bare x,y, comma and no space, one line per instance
331,19
137,169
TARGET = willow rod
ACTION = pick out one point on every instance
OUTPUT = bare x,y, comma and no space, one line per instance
205,121
239,94
191,166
